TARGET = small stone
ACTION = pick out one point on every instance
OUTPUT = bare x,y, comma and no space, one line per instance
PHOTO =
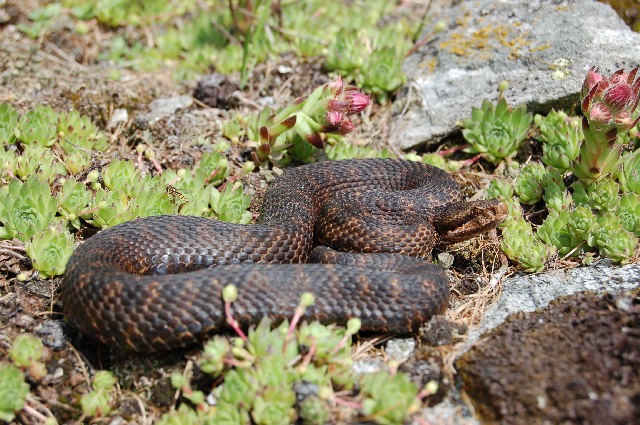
438,331
368,365
445,260
624,303
400,349
119,115
162,108
24,320
305,389
52,334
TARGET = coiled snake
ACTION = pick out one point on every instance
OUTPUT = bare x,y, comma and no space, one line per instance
150,284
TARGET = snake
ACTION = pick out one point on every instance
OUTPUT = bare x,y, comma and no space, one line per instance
357,234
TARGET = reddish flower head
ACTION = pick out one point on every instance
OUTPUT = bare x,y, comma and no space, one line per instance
346,126
336,85
334,117
357,101
611,102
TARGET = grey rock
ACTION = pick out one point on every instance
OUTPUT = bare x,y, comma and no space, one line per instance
450,411
526,293
52,334
368,365
119,115
399,349
543,48
162,108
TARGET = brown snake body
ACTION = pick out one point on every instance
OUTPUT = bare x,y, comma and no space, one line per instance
151,284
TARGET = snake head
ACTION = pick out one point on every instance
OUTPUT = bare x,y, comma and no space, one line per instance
464,220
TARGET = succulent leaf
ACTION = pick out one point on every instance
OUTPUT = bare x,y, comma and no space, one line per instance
496,131
389,399
13,391
50,250
561,136
39,126
528,185
629,212
629,172
231,205
613,240
28,208
522,245
8,122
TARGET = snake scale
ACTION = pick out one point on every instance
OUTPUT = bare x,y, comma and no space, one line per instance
155,283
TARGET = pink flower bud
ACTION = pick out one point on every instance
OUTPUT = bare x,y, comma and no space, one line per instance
337,105
357,101
619,95
335,117
624,119
345,127
599,114
592,78
611,101
336,85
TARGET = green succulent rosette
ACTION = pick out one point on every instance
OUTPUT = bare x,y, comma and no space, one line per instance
496,132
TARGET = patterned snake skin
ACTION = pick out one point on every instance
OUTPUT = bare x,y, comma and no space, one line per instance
150,284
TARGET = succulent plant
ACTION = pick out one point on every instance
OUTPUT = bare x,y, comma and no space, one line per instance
582,223
522,245
27,209
212,169
13,391
383,73
151,201
38,159
8,122
503,190
499,188
215,350
26,352
39,126
496,132
8,161
314,411
346,149
629,212
389,399
609,108
50,250
77,161
231,205
613,240
554,232
196,194
73,199
98,402
556,195
77,132
528,185
325,111
601,196
109,208
562,136
610,103
345,53
121,176
629,172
